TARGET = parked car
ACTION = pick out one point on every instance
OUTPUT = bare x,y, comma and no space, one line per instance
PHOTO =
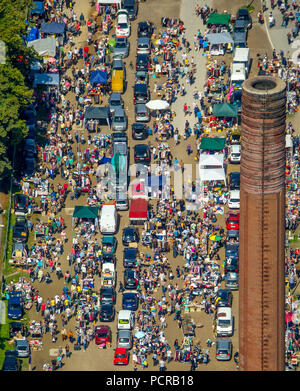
223,349
107,296
15,305
29,116
20,230
115,100
30,167
120,142
123,26
131,280
141,113
11,361
121,356
130,257
21,202
233,221
141,93
132,7
29,149
139,131
19,251
224,298
130,235
231,265
236,99
122,202
124,339
232,250
235,153
121,48
234,199
125,320
141,77
144,29
108,219
119,120
130,301
22,347
17,328
232,281
109,246
103,335
143,45
143,62
224,322
142,154
119,65
243,14
234,180
107,313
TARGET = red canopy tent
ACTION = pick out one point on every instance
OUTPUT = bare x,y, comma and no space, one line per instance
138,211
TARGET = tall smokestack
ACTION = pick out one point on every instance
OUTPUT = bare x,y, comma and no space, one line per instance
262,225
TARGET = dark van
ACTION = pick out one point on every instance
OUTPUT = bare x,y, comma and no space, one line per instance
132,7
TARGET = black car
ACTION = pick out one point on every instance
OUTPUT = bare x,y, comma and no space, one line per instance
130,257
243,14
21,204
17,328
139,131
232,250
234,180
224,298
142,154
107,296
130,301
236,99
30,116
107,313
30,166
231,265
130,235
141,93
11,361
142,62
144,30
131,280
20,231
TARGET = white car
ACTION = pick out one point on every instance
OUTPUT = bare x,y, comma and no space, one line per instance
122,26
224,322
108,219
235,153
125,320
234,199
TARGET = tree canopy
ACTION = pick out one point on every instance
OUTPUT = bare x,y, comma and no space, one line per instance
15,91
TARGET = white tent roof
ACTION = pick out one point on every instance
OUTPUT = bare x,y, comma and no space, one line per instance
44,47
212,174
288,141
216,159
109,2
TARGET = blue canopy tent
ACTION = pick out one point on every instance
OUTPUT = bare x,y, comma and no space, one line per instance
33,34
48,79
98,77
38,8
104,160
53,28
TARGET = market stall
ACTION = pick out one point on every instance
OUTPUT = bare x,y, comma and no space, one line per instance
218,43
86,213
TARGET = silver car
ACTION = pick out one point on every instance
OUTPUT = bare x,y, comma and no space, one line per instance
223,349
121,48
115,100
124,339
119,119
22,347
143,46
141,113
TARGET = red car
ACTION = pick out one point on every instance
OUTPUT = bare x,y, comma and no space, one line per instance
121,356
233,222
102,335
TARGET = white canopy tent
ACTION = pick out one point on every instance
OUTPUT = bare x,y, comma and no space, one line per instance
102,2
211,167
44,47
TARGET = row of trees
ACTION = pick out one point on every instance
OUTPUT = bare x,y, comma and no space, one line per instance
15,90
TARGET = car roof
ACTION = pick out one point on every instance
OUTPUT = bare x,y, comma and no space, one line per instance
240,23
140,86
102,328
143,55
143,40
236,147
115,96
243,11
124,332
141,146
140,107
119,111
223,343
124,313
234,193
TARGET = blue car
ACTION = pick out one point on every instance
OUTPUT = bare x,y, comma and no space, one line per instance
130,301
15,306
232,250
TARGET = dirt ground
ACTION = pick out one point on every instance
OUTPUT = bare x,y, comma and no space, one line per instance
94,359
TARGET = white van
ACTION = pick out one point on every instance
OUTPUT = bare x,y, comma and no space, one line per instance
122,26
125,320
234,199
242,56
108,219
224,322
238,75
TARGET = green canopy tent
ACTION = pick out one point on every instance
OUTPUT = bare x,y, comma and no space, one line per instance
225,110
212,143
86,212
218,20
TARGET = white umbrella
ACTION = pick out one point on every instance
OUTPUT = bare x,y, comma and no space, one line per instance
157,104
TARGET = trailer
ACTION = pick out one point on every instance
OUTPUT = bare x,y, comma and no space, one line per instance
108,275
138,211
